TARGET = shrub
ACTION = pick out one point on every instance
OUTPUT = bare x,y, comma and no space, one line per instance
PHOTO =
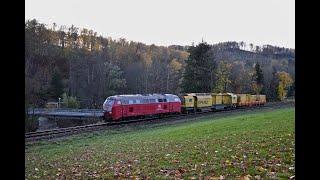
31,124
70,102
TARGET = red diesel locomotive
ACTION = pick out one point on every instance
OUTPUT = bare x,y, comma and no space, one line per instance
122,107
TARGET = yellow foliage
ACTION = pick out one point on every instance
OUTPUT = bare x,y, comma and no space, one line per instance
175,65
284,81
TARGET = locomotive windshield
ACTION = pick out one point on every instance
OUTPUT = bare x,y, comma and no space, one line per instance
110,102
107,105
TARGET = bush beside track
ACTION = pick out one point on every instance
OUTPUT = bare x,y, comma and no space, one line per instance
255,144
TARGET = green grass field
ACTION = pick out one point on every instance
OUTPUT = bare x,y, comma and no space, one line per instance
260,144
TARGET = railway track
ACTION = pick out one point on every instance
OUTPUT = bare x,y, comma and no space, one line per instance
61,132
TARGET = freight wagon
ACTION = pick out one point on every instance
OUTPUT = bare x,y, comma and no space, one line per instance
196,102
217,101
229,100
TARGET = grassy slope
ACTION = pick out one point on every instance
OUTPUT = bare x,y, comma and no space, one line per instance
256,144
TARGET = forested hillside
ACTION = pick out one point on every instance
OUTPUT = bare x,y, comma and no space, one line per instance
85,65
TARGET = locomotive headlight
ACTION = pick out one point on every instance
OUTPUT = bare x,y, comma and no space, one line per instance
110,112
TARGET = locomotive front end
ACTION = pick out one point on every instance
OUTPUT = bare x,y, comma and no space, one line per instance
107,108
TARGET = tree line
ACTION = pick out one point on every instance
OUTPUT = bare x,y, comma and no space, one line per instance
206,73
79,63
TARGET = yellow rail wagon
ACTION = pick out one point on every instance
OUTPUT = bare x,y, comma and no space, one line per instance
242,100
203,101
217,101
187,103
197,102
192,102
251,99
216,98
261,99
229,100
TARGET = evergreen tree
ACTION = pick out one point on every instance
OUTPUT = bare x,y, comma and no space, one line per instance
56,85
273,86
258,80
259,75
198,74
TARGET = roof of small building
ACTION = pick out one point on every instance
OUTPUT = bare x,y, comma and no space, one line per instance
52,103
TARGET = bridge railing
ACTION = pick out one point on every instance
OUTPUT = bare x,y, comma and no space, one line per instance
63,111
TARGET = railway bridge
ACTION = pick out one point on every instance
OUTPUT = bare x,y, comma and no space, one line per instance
64,117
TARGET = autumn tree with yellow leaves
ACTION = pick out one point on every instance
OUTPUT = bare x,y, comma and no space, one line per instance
284,82
222,77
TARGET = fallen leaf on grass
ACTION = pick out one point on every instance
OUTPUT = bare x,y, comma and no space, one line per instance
177,173
228,162
175,161
261,169
257,177
245,177
271,175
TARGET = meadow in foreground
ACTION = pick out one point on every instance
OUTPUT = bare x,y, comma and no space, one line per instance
256,145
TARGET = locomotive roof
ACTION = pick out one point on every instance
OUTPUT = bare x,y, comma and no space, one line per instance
143,96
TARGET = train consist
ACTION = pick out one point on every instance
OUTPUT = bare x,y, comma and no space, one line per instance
124,107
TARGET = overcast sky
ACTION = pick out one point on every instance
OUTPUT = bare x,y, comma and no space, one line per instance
167,22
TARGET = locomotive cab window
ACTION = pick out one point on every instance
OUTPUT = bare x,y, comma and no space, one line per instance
110,102
190,100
